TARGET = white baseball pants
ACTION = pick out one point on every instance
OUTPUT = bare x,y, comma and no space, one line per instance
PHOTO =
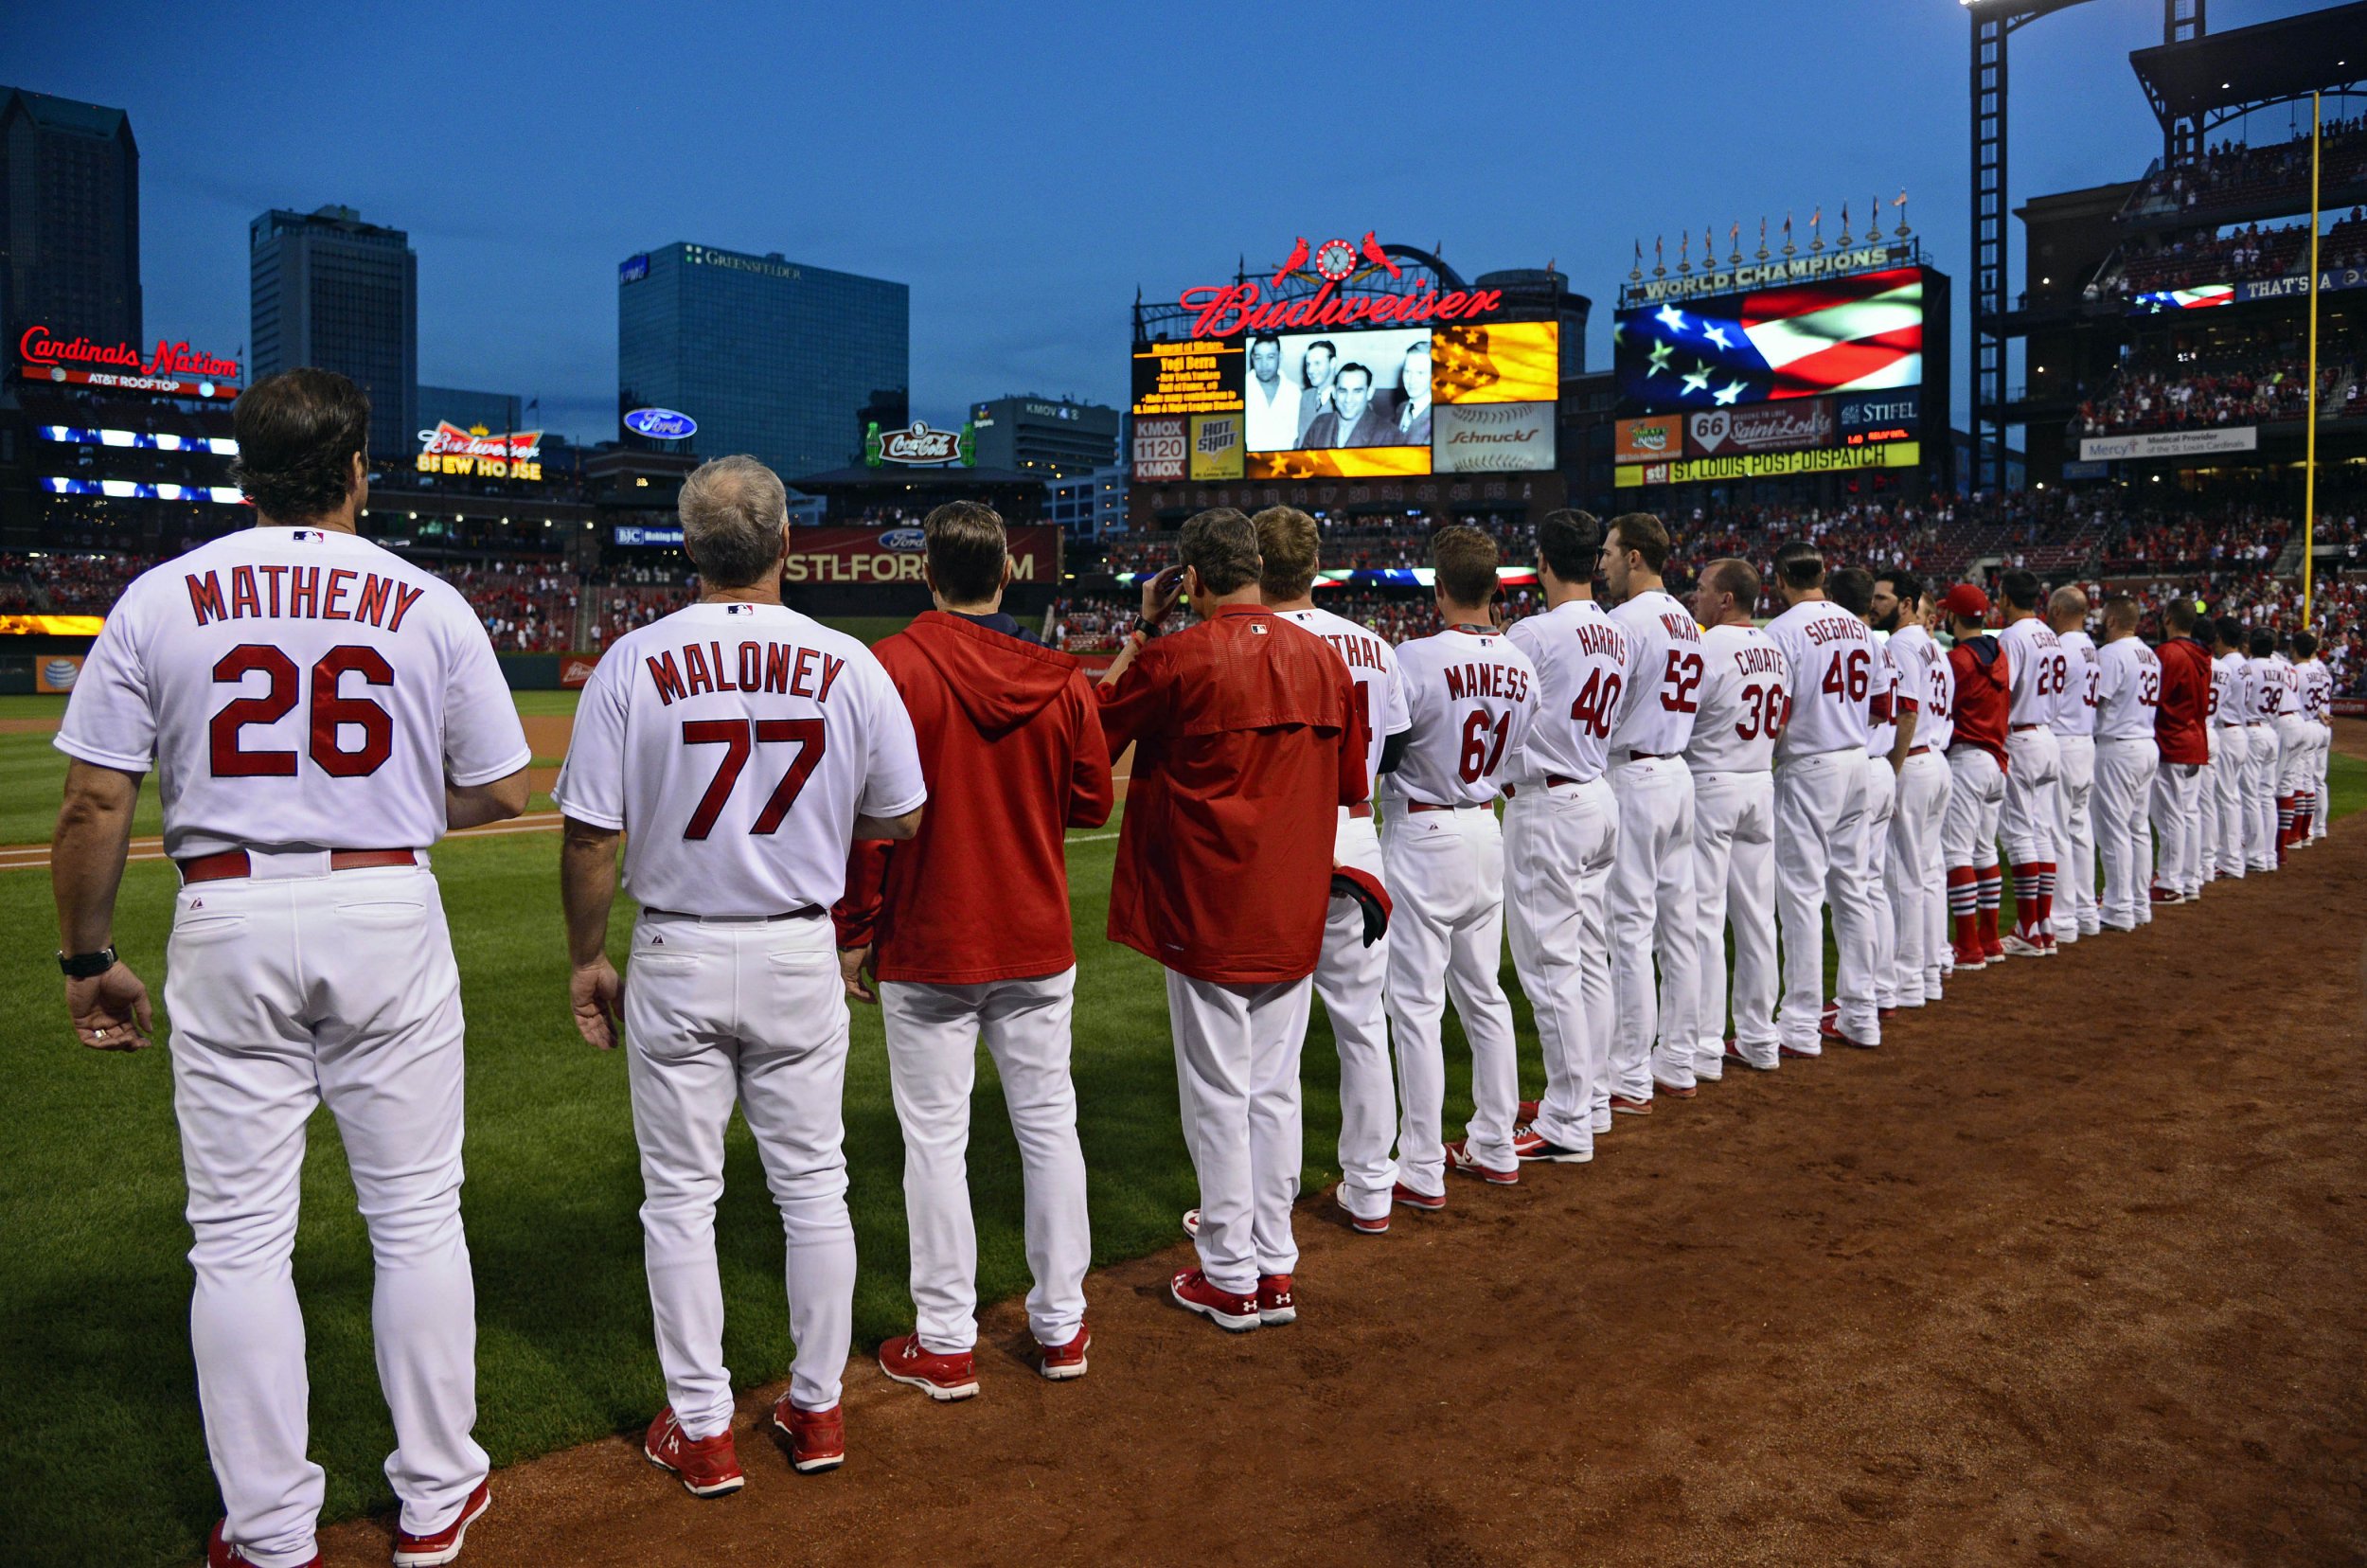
2231,778
751,1012
1651,909
1975,801
1237,1073
1351,982
2260,797
2207,806
289,989
1558,847
2125,772
2033,762
1733,885
2178,828
2296,754
932,1036
1881,808
2075,836
1446,880
1919,877
2325,770
1820,860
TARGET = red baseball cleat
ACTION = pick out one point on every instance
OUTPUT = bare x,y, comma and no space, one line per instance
707,1467
1274,1304
1191,1223
1734,1053
1672,1091
940,1377
1426,1203
2019,946
1830,1030
1459,1158
1232,1311
1526,1111
1060,1362
1970,959
1781,1051
432,1551
817,1438
1993,951
220,1554
1622,1106
1529,1144
1368,1227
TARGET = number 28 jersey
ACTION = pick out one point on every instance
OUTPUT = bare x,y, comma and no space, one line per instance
735,745
1473,699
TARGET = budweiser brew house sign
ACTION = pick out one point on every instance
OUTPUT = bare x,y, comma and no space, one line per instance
174,369
478,454
1225,310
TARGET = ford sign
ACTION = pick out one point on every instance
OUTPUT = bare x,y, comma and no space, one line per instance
661,425
905,538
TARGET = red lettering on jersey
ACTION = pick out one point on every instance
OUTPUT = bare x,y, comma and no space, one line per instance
696,664
751,665
1681,628
722,670
665,678
304,591
776,667
206,598
405,597
371,606
242,602
1758,660
335,591
272,572
801,684
1455,682
831,670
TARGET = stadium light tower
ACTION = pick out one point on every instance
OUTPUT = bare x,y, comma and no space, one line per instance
1993,23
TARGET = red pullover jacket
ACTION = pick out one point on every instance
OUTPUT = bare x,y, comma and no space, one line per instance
1983,694
2185,702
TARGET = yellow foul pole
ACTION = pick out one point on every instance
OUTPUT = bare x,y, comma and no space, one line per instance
2309,455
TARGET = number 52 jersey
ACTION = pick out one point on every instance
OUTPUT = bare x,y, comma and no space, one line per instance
735,745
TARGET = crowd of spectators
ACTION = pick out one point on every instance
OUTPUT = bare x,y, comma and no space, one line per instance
2234,174
526,609
65,582
2257,386
2206,255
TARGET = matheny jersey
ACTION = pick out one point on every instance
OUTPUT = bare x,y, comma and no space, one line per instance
1582,671
1664,670
2317,690
2076,713
1373,664
1830,656
295,688
1742,702
2128,689
1473,699
2035,663
735,745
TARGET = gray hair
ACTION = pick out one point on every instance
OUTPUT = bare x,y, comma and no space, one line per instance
733,510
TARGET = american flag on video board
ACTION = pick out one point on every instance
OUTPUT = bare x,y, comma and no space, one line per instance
1850,334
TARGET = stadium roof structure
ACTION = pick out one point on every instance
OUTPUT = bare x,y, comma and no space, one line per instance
2218,75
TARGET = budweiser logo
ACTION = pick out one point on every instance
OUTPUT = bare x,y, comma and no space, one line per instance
448,439
1224,309
921,444
38,346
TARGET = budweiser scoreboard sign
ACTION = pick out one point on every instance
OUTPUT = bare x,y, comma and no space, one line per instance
170,369
891,556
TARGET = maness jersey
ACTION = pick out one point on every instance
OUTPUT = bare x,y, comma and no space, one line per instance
1582,675
1665,672
1742,702
2035,660
2266,689
295,688
735,745
2076,713
1830,658
2128,689
1473,699
1922,680
1373,664
1881,705
2317,690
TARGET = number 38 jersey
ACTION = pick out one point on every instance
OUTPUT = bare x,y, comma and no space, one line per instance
1742,702
294,689
1830,658
735,744
1473,699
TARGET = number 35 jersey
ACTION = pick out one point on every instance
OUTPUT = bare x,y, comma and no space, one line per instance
735,745
1831,656
1473,698
294,689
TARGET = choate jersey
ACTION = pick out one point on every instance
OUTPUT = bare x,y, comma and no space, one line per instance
735,745
1582,675
2075,715
1473,698
294,689
1373,665
1743,699
2040,672
1829,657
1664,670
2129,688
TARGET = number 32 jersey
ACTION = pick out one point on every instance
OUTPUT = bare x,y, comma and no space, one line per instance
1473,698
294,689
735,744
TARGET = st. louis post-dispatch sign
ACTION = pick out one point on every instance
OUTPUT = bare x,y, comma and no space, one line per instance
1769,465
852,557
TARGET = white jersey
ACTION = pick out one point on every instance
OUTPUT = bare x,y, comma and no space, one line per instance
295,688
2288,680
1582,674
1473,698
1743,696
2266,688
1882,706
2075,715
1664,675
2038,668
1829,655
1937,727
734,745
2128,689
1373,664
2227,690
1913,651
2317,689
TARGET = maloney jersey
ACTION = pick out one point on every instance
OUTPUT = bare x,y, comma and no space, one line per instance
1665,672
1373,664
295,688
1582,672
1473,698
2128,689
1829,657
1743,699
735,745
2039,668
2075,715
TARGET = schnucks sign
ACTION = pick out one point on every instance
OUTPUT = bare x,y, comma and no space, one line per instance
890,556
174,369
1222,310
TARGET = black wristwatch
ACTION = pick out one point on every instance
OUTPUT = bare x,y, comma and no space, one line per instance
1148,627
83,966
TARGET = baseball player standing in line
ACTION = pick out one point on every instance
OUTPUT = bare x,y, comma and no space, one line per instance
2296,761
2074,726
2181,724
736,814
1246,745
2231,772
1852,588
2315,687
1473,696
1650,896
2265,685
2039,673
2128,688
1731,754
1919,877
1350,979
1820,810
318,712
1979,701
1561,829
1012,751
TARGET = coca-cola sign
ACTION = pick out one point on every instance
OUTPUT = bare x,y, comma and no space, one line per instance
172,368
917,445
1226,310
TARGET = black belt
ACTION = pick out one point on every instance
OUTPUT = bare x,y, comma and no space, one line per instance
806,912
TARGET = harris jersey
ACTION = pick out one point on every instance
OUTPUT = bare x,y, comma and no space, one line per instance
295,688
1581,657
1830,659
1473,699
2039,671
1373,664
1743,699
2128,689
2075,715
735,744
1665,670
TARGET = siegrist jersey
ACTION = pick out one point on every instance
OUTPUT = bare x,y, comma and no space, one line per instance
2129,688
1881,705
2076,713
1742,702
2035,661
2265,689
2227,690
1664,675
1937,727
1829,655
735,745
1373,664
295,688
2317,690
1581,659
1473,698
1913,651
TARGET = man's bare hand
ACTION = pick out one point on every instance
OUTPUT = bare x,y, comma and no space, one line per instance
1159,593
597,992
853,967
111,1010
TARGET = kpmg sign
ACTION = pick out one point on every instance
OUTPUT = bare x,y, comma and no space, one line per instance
661,425
634,269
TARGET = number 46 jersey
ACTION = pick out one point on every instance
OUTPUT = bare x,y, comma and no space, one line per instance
735,744
1831,656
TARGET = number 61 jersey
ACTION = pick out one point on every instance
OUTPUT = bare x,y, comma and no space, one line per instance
735,744
1472,696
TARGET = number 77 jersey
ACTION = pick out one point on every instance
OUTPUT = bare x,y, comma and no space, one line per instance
735,745
1472,697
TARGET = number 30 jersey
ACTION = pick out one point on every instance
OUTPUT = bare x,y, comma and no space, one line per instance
294,689
735,745
1743,698
1473,699
1830,655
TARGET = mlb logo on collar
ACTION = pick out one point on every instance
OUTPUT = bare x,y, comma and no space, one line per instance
739,609
308,536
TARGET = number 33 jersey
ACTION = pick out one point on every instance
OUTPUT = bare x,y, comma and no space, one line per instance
1472,697
294,689
735,744
1831,656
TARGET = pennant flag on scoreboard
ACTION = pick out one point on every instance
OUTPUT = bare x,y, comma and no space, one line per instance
1850,334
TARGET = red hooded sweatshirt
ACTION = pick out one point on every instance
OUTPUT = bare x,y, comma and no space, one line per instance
1012,749
2185,704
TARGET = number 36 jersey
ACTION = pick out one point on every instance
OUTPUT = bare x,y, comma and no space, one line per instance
1742,702
735,744
294,689
1473,698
